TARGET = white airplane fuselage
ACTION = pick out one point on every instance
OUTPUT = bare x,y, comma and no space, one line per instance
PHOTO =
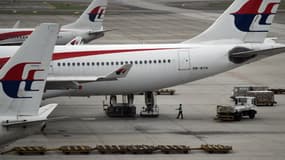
154,66
18,36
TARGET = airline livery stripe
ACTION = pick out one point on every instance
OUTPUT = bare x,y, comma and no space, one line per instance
65,55
9,35
3,61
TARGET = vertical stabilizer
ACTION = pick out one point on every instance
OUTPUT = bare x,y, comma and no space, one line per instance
245,20
92,18
17,24
23,77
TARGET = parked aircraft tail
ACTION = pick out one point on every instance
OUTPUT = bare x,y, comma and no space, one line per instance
245,20
92,18
17,24
23,77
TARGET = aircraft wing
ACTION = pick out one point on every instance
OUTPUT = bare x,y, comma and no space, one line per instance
74,82
31,120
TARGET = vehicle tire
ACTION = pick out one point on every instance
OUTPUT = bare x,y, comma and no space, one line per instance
237,117
251,115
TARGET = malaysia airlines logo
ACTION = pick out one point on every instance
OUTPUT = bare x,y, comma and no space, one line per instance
13,78
97,14
121,71
249,18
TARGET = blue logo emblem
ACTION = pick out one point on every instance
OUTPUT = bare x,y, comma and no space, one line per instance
12,80
96,13
249,16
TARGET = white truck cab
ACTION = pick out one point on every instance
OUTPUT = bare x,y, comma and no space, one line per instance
244,106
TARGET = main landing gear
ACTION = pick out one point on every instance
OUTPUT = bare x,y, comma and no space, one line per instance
126,107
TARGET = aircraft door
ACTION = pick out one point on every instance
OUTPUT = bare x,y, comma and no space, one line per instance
184,62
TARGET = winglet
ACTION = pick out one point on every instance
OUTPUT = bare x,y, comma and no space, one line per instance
75,41
122,72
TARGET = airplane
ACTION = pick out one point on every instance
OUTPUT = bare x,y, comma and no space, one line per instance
236,38
89,26
22,81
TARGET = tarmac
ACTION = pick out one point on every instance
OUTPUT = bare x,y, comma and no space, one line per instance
157,22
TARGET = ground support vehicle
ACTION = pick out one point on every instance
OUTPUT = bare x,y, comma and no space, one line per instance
244,106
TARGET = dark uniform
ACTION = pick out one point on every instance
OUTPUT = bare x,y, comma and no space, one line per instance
180,112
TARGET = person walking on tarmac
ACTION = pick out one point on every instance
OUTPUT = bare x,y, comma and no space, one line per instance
180,112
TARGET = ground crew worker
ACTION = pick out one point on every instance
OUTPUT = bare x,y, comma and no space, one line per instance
180,112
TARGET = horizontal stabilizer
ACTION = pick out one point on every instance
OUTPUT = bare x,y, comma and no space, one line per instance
44,112
249,56
99,32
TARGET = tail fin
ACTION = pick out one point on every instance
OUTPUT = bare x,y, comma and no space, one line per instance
245,20
17,24
92,18
23,77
